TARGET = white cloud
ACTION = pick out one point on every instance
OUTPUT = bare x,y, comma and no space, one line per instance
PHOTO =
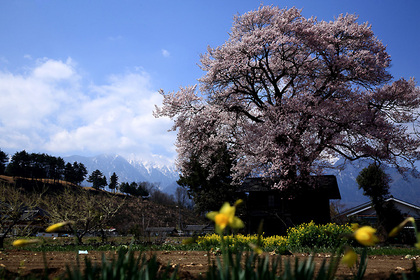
165,53
54,70
49,110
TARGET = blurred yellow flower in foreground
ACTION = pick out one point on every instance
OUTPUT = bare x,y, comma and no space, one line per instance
55,227
366,236
398,228
349,257
24,242
226,217
257,249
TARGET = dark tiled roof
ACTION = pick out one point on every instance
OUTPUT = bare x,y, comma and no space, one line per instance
160,229
323,185
198,227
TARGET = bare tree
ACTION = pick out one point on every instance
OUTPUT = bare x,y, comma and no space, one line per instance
15,209
86,210
181,197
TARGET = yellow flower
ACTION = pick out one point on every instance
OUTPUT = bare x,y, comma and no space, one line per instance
398,228
349,257
257,249
24,242
55,227
354,226
226,217
366,236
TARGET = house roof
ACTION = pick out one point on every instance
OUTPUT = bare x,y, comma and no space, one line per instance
198,227
324,185
160,229
369,206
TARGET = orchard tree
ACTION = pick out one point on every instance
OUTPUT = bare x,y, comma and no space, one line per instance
88,211
287,93
13,205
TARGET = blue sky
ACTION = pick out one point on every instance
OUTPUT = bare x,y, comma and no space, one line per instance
81,77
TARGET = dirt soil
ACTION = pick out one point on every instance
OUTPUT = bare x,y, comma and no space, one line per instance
192,264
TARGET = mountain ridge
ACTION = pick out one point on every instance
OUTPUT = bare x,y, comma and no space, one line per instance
165,177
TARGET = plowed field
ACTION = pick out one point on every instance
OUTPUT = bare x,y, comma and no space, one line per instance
192,264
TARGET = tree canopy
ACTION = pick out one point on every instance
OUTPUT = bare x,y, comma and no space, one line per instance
3,160
136,189
208,191
43,166
113,182
288,93
97,179
375,184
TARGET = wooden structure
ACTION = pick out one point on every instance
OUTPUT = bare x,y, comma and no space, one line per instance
280,210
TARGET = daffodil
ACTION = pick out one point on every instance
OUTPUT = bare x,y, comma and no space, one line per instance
55,227
398,228
417,245
257,249
226,217
349,258
366,236
354,226
24,242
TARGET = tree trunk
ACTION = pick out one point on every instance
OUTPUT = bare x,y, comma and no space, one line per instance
79,239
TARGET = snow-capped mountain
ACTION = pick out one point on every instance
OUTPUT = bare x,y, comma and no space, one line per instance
406,189
164,176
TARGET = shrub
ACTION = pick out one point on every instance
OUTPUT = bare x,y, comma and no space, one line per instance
320,236
241,242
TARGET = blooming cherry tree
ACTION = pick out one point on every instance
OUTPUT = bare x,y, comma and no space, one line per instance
287,93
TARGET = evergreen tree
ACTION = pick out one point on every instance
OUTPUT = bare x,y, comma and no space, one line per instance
97,179
3,161
375,184
19,165
209,184
80,171
135,189
125,187
113,184
75,173
55,167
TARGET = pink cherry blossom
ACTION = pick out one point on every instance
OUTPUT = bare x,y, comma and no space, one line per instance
287,93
